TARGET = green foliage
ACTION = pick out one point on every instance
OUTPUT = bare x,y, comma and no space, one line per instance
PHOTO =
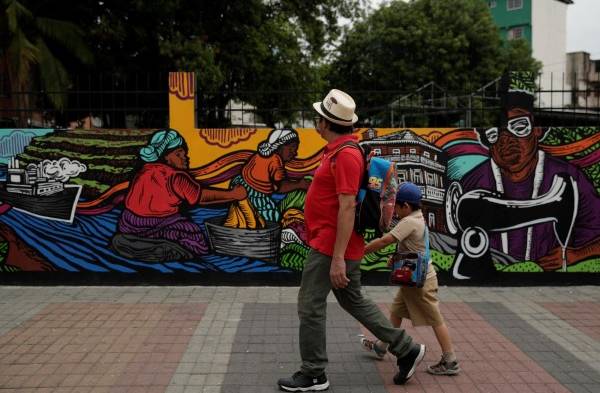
235,47
4,268
93,184
521,267
404,45
83,157
441,261
293,200
293,256
93,143
589,266
34,48
377,260
517,55
566,135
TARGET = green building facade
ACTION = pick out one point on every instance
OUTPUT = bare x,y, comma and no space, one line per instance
513,18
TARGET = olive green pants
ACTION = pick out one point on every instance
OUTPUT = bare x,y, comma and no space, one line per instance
312,311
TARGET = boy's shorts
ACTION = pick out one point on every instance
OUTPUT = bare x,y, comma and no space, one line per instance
420,305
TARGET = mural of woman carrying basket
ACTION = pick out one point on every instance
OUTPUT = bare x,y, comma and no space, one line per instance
264,174
151,226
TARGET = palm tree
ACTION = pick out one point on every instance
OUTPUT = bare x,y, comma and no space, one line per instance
26,56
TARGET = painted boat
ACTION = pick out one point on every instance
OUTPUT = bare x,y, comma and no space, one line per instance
59,206
262,244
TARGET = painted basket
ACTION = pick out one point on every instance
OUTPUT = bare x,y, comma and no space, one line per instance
262,244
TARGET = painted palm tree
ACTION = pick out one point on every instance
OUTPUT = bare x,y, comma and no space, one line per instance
26,55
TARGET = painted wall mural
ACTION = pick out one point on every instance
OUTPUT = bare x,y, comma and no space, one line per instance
514,198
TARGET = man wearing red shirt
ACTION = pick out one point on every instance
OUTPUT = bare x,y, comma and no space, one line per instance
333,262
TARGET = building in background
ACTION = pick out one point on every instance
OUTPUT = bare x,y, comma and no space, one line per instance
417,161
583,76
542,23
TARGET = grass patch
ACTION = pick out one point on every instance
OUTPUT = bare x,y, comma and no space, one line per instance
98,143
72,155
441,261
109,168
589,266
293,256
90,184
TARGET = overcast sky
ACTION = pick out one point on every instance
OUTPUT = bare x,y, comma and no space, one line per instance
583,26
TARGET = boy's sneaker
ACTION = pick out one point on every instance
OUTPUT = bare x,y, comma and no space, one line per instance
408,364
371,346
444,367
303,383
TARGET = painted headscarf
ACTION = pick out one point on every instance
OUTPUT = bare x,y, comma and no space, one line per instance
276,139
160,142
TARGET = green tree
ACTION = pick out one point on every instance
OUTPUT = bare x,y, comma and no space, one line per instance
236,48
32,48
403,46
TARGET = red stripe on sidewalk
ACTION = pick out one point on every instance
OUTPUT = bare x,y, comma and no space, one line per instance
489,361
585,316
82,346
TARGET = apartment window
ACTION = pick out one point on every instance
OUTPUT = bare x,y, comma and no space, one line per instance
377,152
512,5
492,3
413,151
395,151
515,33
426,154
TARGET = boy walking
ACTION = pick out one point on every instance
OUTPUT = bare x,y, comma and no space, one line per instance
333,262
421,305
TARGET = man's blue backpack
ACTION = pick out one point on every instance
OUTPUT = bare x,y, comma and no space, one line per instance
377,194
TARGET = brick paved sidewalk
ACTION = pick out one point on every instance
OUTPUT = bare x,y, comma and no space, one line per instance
224,339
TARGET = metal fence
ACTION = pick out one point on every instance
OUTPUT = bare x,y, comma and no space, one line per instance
141,101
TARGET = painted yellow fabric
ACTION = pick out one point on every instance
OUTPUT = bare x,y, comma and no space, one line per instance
243,215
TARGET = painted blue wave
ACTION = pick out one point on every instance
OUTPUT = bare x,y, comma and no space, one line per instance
84,246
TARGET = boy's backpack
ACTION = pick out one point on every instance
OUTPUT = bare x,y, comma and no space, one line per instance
377,194
409,269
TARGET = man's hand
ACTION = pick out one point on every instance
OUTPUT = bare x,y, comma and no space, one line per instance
337,273
553,260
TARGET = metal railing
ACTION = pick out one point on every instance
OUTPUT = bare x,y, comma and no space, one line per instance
141,101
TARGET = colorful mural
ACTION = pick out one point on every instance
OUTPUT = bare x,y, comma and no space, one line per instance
514,198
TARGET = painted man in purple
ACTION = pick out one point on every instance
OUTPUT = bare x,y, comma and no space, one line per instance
519,170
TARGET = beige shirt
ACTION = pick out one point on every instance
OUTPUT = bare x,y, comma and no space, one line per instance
409,232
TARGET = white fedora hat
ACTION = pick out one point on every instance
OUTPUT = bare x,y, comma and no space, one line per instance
337,107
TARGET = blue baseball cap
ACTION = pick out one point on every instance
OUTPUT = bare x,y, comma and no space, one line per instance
408,192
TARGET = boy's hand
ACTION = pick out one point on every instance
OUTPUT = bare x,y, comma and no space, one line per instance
390,261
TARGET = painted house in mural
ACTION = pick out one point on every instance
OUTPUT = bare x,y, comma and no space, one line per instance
542,23
417,161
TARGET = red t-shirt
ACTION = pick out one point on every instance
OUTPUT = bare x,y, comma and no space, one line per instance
158,190
322,204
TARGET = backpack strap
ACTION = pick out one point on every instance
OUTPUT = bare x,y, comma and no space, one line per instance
426,234
343,146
